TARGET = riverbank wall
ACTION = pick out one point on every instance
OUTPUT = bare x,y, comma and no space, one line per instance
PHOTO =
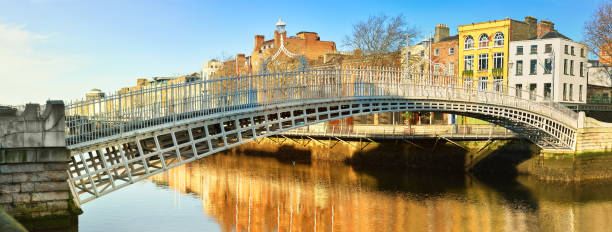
592,159
431,154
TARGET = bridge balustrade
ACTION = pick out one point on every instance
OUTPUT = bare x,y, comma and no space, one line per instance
155,105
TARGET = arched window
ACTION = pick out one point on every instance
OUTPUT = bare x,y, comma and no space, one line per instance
469,42
483,41
498,40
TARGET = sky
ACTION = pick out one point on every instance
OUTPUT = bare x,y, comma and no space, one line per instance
60,49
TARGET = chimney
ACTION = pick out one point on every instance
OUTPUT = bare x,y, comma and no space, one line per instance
259,39
544,27
240,62
276,39
441,32
533,26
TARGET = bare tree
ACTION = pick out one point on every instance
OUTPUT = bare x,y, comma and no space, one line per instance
380,34
598,31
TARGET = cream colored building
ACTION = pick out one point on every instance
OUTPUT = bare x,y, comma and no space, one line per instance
210,67
415,57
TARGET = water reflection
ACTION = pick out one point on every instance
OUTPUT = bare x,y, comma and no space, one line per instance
244,193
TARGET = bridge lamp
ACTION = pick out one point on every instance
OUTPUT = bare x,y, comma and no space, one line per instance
280,26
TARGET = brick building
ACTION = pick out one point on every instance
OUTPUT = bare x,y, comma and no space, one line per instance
444,49
304,43
604,57
444,57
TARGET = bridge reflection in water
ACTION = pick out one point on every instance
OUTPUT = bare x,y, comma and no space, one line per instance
244,193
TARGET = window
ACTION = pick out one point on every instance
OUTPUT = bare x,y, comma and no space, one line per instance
498,39
519,90
519,50
571,67
409,53
422,68
565,66
422,53
547,65
451,50
547,91
483,41
451,68
483,61
566,49
468,62
498,83
547,48
498,60
533,67
436,52
580,93
581,69
436,68
571,91
469,43
534,49
581,52
482,83
572,50
519,67
564,91
532,91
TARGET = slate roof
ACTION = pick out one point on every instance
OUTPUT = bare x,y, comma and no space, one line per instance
554,34
454,37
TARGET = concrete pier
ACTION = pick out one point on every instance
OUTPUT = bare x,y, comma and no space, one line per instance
33,163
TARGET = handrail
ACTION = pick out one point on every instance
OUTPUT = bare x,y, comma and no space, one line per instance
154,105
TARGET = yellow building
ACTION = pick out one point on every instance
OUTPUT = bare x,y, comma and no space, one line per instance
484,50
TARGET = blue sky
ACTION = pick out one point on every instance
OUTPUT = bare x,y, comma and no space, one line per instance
59,49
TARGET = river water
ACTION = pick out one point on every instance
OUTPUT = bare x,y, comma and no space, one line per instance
234,192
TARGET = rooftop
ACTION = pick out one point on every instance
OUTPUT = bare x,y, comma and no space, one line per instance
450,38
553,34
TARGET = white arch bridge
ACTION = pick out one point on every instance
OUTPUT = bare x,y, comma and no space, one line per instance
123,138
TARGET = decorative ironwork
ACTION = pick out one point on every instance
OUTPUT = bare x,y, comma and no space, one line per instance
125,137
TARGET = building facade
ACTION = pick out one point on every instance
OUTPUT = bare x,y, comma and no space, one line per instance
605,58
210,67
599,75
304,43
484,49
444,51
414,58
549,67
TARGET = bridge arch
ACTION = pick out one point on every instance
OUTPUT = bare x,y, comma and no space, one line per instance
107,158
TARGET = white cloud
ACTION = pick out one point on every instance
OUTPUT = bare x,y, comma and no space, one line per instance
28,72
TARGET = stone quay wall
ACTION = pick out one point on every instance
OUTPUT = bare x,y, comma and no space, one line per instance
590,161
33,162
594,136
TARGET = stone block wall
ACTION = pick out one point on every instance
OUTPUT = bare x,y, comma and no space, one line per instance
33,162
35,189
594,136
594,140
